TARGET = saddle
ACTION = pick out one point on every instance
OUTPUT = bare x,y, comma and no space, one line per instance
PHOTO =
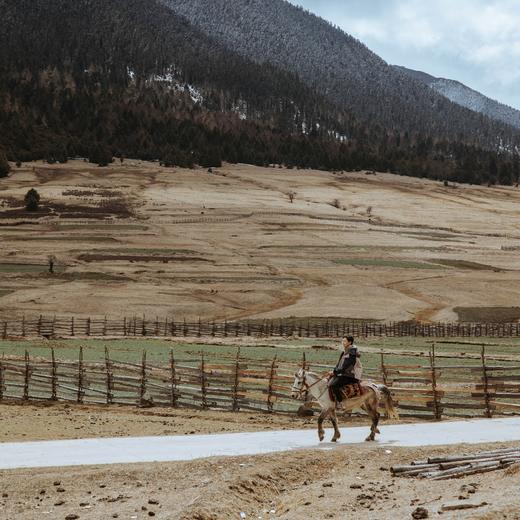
349,391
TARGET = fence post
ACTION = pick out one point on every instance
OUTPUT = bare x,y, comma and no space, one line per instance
23,326
2,381
142,387
270,387
72,326
54,377
437,410
143,328
80,376
203,388
39,326
88,326
156,331
485,382
173,380
27,376
4,332
124,326
110,378
384,374
305,366
236,381
105,326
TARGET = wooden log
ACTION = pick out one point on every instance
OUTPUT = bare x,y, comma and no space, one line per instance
467,470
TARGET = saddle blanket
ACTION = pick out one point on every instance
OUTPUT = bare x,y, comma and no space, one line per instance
349,391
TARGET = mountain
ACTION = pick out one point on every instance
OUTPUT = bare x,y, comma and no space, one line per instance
467,97
251,81
342,68
133,75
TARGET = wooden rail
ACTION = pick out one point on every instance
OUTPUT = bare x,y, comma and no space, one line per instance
85,326
428,391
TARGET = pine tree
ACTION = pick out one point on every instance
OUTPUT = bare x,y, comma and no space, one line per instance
32,200
100,155
4,166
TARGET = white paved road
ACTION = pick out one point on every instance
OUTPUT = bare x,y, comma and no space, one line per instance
175,448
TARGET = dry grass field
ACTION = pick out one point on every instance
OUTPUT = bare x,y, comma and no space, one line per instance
136,238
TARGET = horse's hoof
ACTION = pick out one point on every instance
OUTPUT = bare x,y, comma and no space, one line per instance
321,437
333,439
369,439
377,430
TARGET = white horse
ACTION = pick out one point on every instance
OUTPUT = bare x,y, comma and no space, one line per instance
318,387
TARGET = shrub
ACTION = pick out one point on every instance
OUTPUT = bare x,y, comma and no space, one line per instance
32,200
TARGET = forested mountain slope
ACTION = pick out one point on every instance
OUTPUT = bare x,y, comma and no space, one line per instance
135,78
133,75
341,67
467,97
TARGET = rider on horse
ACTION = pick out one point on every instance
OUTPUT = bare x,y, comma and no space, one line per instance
348,370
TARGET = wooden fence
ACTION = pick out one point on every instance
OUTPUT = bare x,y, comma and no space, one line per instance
54,326
432,390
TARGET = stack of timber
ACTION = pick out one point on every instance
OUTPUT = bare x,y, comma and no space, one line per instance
442,468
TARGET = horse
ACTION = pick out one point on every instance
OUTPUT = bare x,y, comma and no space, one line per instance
369,401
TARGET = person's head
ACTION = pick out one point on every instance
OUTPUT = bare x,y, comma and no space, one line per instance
348,341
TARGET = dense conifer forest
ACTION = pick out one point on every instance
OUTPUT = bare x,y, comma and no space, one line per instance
132,78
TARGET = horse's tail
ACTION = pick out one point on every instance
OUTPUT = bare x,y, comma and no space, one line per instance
391,411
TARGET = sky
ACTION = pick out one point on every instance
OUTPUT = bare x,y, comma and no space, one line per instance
476,42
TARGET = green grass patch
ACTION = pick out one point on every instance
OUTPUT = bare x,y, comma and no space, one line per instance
27,268
75,238
316,350
376,262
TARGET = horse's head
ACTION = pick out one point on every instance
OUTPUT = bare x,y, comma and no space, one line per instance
299,384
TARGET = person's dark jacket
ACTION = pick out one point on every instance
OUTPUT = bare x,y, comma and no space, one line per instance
346,363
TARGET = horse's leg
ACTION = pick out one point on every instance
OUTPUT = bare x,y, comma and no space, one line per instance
334,420
321,417
371,408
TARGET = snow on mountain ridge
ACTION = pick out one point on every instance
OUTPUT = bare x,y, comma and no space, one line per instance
467,97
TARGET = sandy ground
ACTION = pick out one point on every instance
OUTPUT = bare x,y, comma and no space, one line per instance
230,244
30,422
341,483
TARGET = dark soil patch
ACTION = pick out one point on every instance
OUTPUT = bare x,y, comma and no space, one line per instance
139,258
465,264
91,275
488,314
105,209
91,193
